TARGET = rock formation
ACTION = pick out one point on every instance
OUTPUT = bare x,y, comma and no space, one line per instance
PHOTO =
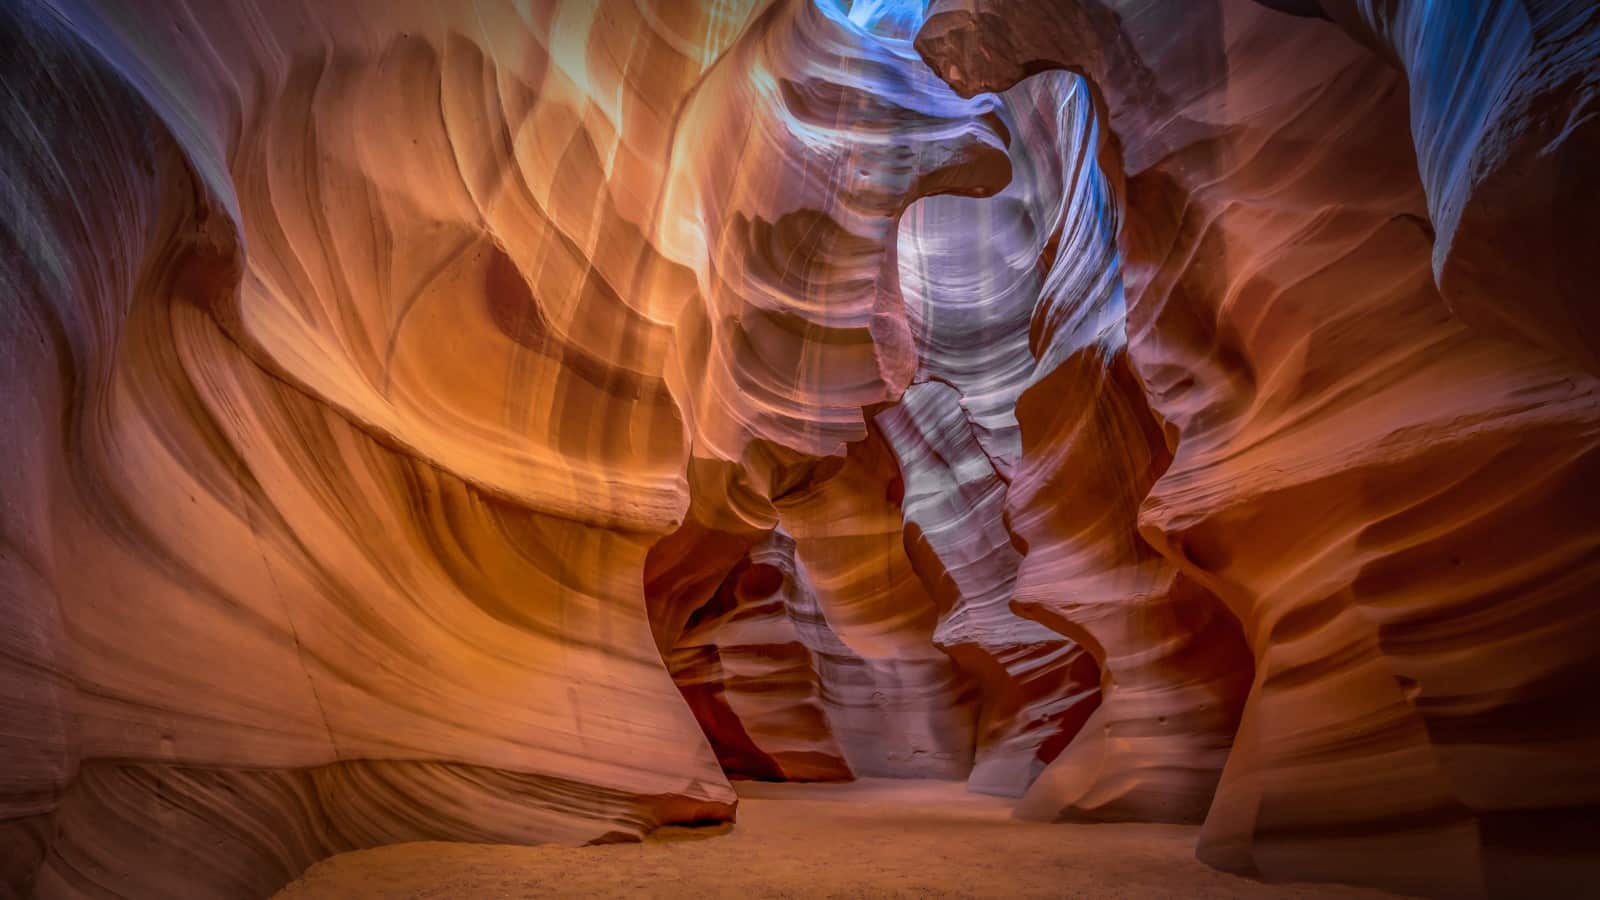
1387,497
505,422
300,553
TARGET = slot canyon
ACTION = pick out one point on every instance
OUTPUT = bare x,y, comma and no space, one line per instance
1127,448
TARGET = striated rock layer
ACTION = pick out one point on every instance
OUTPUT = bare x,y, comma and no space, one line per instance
836,127
506,421
302,552
400,399
1038,688
1389,500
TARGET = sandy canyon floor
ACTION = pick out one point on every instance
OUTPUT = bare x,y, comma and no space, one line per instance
873,838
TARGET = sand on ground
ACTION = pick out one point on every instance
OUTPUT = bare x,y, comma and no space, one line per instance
871,838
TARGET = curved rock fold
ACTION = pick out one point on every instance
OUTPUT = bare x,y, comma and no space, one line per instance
507,422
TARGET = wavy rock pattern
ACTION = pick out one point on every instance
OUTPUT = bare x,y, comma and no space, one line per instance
307,559
1174,668
1503,107
901,707
836,132
1385,498
751,666
803,328
504,421
1037,687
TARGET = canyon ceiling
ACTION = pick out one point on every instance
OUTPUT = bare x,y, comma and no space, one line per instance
506,421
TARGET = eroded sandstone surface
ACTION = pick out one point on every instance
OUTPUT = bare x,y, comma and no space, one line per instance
506,422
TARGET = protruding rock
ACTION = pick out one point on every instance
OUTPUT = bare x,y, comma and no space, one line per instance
1381,493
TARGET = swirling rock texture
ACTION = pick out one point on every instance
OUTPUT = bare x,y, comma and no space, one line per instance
956,435
1175,664
505,421
1390,501
748,663
1038,688
1503,98
1171,663
306,552
835,127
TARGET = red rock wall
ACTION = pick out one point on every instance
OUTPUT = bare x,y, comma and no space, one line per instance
299,555
1387,497
506,422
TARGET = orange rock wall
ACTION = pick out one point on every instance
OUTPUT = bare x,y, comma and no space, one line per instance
1389,498
506,422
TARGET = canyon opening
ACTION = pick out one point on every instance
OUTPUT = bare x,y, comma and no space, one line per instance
800,448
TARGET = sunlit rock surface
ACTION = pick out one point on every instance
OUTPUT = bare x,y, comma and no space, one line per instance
956,433
506,422
360,360
1038,688
833,126
1388,499
305,547
1504,102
